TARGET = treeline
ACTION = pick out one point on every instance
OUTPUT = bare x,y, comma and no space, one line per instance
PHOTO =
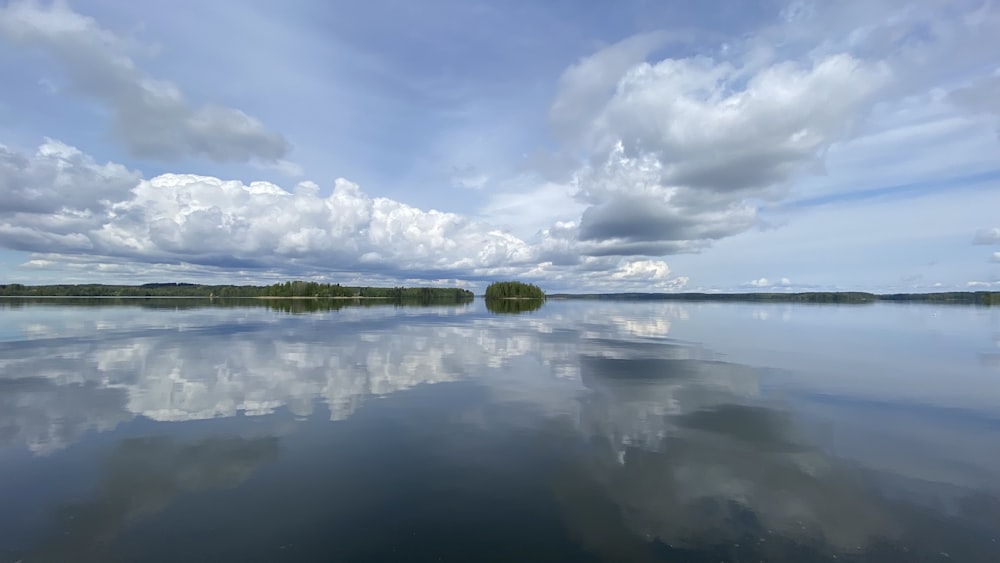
325,290
300,289
513,290
957,297
497,290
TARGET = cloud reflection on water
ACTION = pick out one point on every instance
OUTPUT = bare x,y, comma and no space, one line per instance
683,447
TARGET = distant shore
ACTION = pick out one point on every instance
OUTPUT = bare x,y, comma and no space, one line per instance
842,297
196,291
287,290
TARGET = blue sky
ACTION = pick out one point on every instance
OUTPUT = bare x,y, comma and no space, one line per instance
585,146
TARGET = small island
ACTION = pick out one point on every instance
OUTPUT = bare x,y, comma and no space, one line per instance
513,290
513,297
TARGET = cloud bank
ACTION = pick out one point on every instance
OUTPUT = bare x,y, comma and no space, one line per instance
113,213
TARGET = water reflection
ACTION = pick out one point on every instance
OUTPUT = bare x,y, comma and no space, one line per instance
593,429
143,476
287,305
513,306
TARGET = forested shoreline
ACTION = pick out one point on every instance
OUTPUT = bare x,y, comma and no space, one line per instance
290,289
497,290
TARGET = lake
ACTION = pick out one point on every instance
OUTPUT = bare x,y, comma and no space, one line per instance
160,430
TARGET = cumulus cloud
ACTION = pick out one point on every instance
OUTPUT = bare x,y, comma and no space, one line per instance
202,219
606,273
712,127
52,199
632,212
61,201
63,206
682,148
58,176
152,117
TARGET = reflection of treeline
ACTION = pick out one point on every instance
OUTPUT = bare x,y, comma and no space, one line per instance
172,303
286,289
513,306
971,297
957,297
513,290
318,305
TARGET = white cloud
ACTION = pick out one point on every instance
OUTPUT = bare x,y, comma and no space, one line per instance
713,127
200,218
65,208
152,117
996,257
681,149
643,269
58,176
60,201
767,283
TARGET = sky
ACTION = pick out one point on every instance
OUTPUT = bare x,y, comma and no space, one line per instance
585,146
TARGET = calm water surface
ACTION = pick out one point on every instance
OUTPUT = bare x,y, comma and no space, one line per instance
583,431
